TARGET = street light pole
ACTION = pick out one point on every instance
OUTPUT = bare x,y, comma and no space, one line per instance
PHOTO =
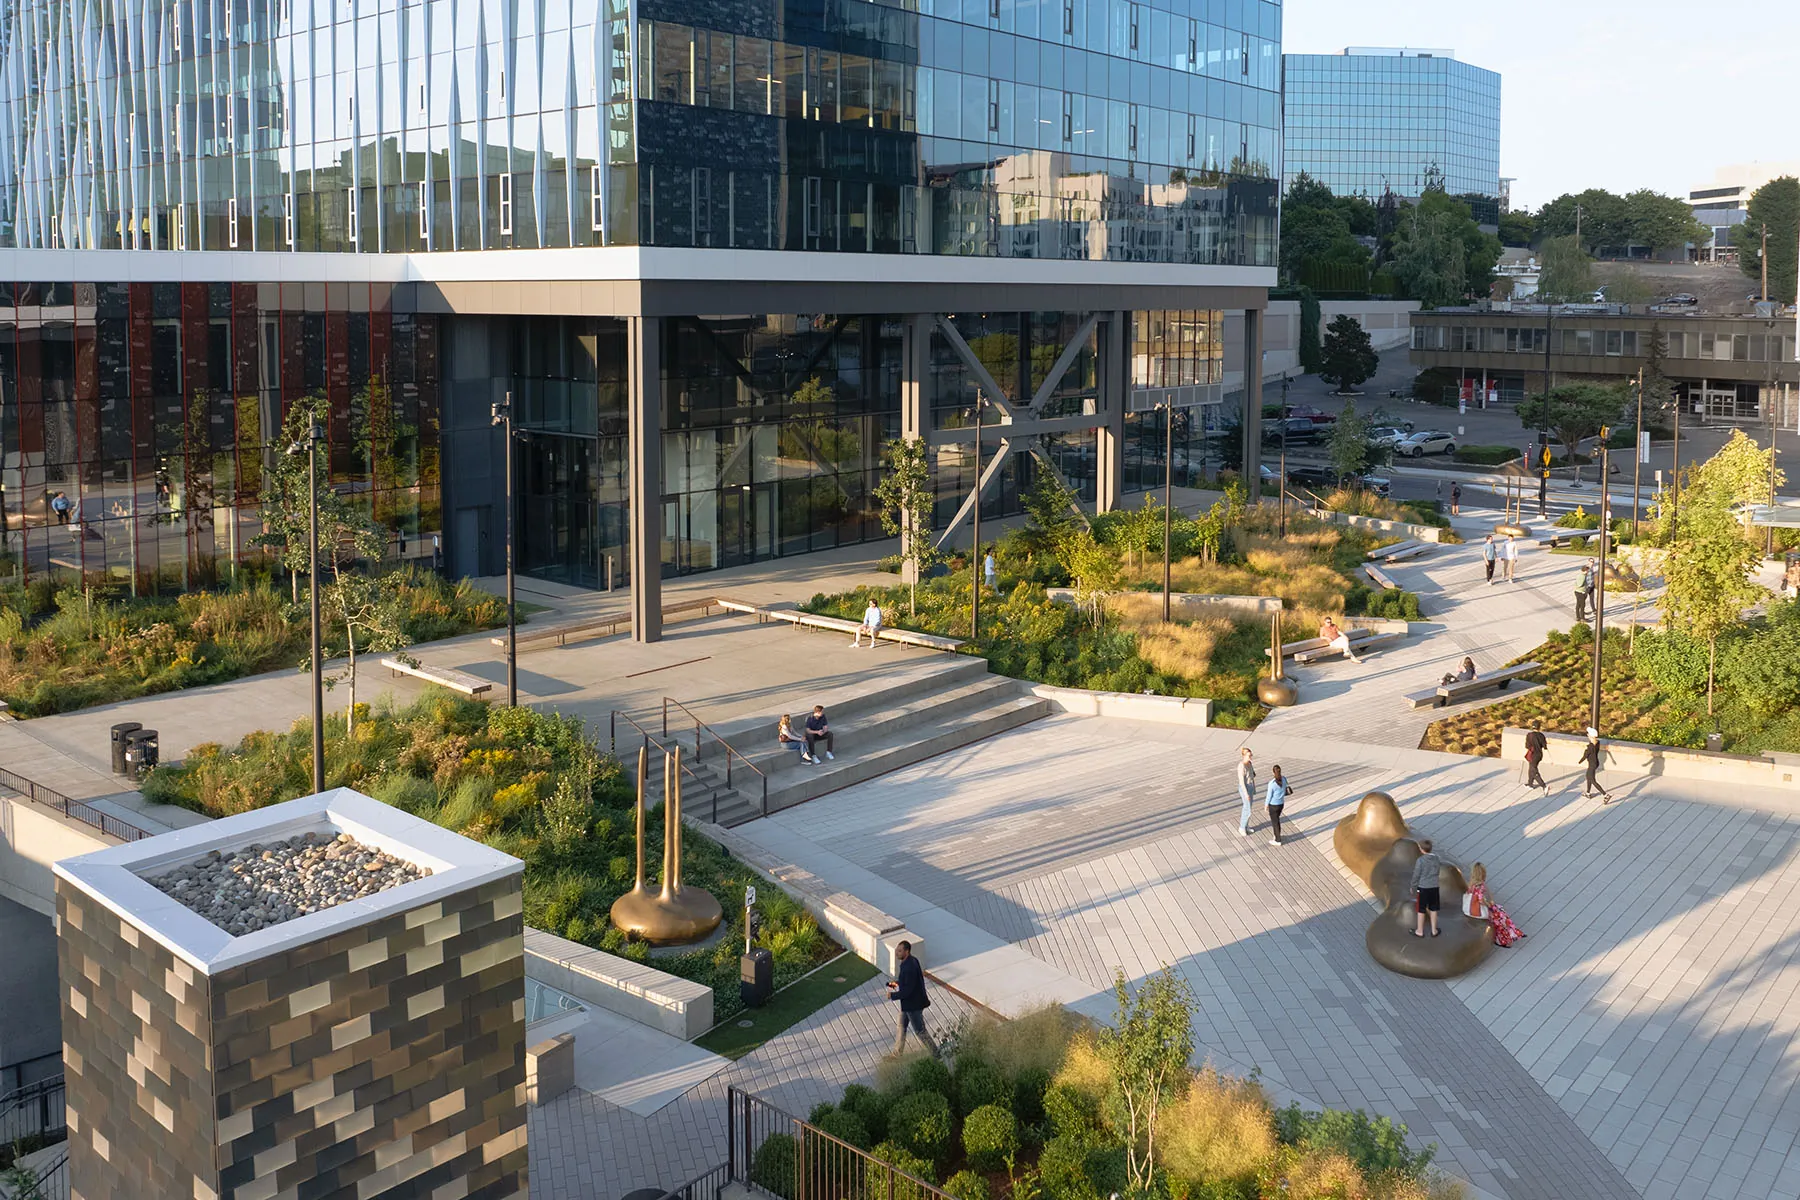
503,416
313,437
975,558
1544,433
1674,488
1637,456
1168,495
1600,585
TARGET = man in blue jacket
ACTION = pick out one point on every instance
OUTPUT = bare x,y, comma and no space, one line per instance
908,987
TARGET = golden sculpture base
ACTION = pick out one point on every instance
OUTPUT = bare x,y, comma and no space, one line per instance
1507,529
1278,693
690,915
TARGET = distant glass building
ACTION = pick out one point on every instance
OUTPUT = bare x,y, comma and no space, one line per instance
1371,120
649,221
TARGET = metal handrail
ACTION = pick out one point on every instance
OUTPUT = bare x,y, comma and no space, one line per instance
650,740
730,751
824,1166
75,810
705,1186
37,1109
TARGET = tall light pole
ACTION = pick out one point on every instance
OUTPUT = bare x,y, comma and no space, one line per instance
1543,431
1600,585
975,558
1168,494
1675,472
1637,456
314,435
503,416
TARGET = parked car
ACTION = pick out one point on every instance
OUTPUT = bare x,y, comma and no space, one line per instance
1389,436
1682,298
1319,476
1317,416
1298,429
1426,441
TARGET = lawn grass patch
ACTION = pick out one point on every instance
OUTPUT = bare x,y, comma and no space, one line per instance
750,1028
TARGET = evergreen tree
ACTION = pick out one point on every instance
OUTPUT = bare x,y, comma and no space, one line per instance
1349,356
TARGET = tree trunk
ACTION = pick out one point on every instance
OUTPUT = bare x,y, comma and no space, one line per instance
912,596
1712,657
294,583
350,713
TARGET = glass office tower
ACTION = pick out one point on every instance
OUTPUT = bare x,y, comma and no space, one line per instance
1368,121
681,213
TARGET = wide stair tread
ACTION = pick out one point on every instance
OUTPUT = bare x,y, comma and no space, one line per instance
1000,710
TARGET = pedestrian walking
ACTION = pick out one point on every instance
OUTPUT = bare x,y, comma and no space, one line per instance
1279,791
59,504
1535,745
1512,557
1425,888
1246,781
1489,552
1591,756
1455,499
1590,574
908,987
1584,588
988,570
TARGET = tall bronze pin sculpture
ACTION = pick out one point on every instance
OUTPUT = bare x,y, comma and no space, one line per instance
1275,689
675,915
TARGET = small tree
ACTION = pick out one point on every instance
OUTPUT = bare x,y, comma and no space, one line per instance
1349,443
1574,412
1707,572
371,616
1148,1049
1741,470
1093,568
345,531
1350,357
1141,529
1312,355
904,494
1565,272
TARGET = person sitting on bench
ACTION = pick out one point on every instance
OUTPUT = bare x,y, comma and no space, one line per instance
871,625
1463,676
1337,639
786,738
817,730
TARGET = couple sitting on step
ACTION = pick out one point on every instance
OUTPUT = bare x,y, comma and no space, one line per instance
818,730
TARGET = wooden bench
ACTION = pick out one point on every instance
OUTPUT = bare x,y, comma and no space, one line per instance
1292,649
1397,548
456,681
1450,693
1361,646
1409,552
912,637
761,613
1555,540
530,635
1380,578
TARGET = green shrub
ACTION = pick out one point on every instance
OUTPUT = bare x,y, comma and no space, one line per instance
773,1167
920,1123
1763,669
1063,1167
979,1083
990,1137
880,1183
845,1127
926,1074
869,1105
820,1111
1394,604
1070,1112
1579,518
1374,1144
967,1185
1028,1095
1673,661
1487,456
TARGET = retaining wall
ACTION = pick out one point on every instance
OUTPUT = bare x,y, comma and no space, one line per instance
1771,770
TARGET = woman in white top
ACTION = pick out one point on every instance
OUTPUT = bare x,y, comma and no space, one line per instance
786,738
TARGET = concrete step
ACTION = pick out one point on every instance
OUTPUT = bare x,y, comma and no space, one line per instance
888,750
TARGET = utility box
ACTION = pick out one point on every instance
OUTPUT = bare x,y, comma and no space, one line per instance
756,977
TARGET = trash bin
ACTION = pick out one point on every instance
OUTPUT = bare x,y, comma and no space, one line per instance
756,977
141,752
1715,741
118,743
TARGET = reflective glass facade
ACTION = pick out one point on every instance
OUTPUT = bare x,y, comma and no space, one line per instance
1365,122
151,408
1107,129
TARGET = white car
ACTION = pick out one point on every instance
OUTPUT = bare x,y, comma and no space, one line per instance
1389,436
1426,441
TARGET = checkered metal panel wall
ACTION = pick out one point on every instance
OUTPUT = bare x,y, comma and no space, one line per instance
386,1061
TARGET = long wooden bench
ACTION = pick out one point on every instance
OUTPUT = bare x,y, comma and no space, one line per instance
592,627
1363,646
1553,541
1394,550
1409,552
456,681
1380,578
1291,649
1450,693
912,637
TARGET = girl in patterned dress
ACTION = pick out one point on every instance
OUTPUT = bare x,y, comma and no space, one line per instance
1478,904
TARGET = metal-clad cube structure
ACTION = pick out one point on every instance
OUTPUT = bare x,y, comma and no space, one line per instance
371,1049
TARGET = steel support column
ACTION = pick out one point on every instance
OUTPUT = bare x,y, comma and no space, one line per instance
1252,413
1109,435
644,402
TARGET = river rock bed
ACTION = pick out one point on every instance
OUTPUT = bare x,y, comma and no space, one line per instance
242,891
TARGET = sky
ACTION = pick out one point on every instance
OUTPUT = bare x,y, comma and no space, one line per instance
1616,94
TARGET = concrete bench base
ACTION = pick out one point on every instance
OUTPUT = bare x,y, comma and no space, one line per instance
1380,578
679,1007
549,1069
1359,645
456,681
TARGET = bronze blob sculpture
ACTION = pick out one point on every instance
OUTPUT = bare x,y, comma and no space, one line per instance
674,915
